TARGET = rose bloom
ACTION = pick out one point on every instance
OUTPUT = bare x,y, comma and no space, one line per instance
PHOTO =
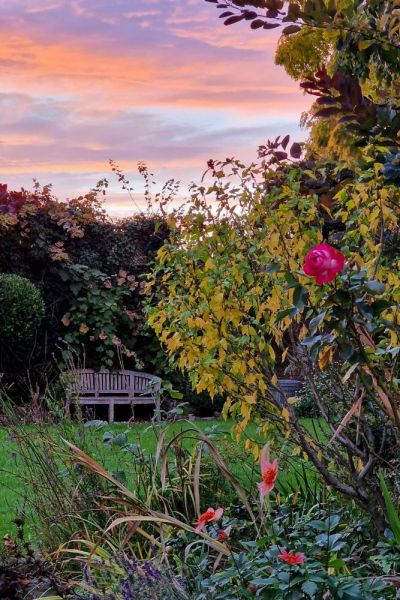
291,558
269,473
323,262
208,516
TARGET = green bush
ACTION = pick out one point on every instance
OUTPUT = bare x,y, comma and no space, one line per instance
21,309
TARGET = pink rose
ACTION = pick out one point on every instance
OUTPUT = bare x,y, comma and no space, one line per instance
323,262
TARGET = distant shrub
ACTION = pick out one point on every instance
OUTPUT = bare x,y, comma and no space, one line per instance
21,309
332,392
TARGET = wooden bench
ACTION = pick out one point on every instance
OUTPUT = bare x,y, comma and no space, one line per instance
91,387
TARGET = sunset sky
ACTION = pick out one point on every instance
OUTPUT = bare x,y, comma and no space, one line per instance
161,81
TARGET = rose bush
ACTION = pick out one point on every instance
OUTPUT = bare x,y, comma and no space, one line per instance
234,308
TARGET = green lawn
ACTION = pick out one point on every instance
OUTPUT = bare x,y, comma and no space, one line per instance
12,488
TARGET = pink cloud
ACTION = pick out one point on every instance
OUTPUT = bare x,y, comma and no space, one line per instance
165,82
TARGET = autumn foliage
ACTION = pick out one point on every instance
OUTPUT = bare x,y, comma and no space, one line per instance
88,270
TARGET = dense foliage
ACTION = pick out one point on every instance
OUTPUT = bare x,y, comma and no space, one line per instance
238,294
289,265
88,270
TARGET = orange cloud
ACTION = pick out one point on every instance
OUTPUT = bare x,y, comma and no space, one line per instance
165,82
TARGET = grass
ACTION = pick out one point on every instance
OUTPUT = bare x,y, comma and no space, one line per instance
13,492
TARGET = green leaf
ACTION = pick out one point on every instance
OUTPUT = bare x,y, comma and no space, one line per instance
272,267
121,439
312,340
392,513
299,297
316,321
364,44
375,287
310,588
98,424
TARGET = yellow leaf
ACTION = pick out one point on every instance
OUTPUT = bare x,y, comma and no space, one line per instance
174,342
325,357
251,379
208,264
245,411
285,414
250,399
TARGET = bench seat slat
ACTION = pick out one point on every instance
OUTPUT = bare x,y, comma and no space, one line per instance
120,387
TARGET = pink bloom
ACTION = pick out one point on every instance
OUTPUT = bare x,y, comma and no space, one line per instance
269,473
209,515
291,558
223,534
323,262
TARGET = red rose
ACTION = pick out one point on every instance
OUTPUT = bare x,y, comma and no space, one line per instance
323,262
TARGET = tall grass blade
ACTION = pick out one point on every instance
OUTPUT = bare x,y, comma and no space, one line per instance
392,513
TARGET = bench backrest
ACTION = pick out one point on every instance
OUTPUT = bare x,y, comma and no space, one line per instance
143,383
127,383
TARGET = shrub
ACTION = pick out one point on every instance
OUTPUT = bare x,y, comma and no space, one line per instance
329,553
89,270
277,547
21,308
334,394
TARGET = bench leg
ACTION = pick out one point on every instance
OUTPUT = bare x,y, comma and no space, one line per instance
111,412
158,410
